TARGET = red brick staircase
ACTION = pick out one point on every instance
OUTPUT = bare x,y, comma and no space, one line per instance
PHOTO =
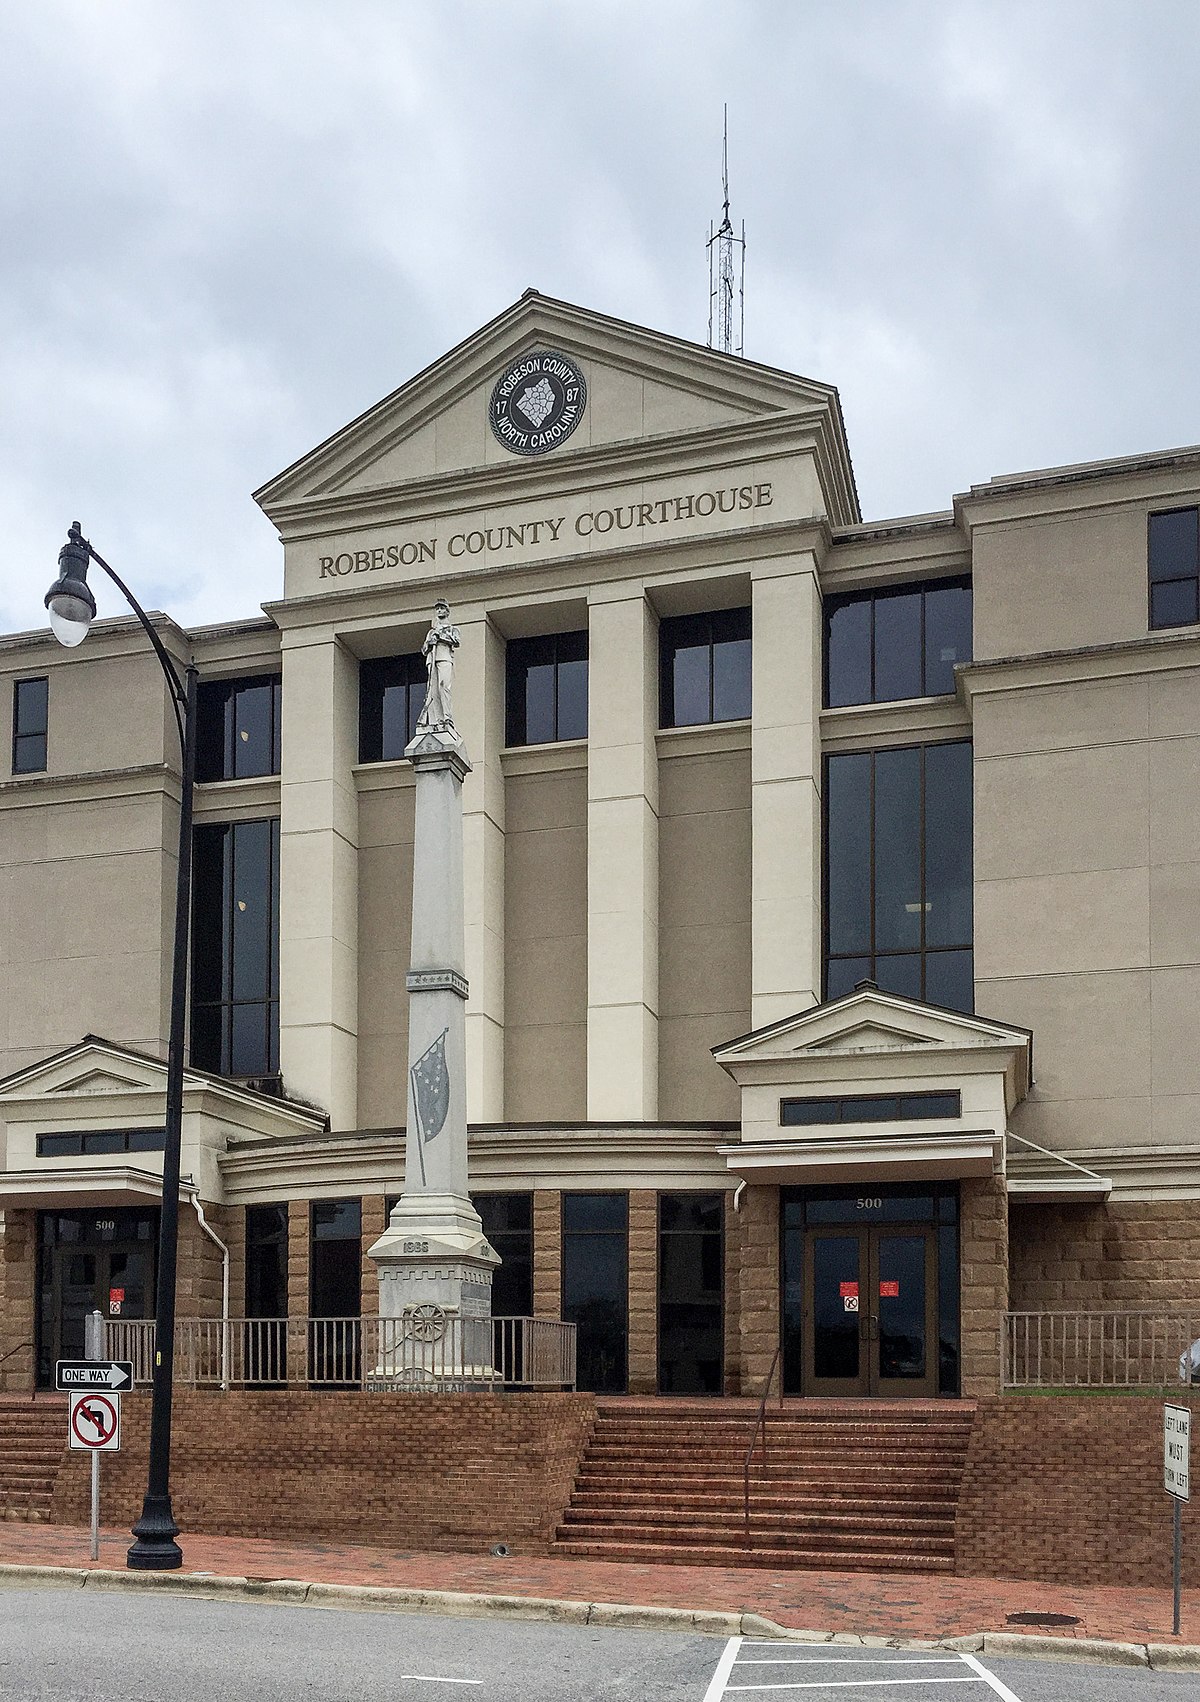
857,1486
33,1435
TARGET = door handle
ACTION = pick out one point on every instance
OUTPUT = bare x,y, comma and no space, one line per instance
873,1326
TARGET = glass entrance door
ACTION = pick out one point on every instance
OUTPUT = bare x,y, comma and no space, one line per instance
870,1318
90,1261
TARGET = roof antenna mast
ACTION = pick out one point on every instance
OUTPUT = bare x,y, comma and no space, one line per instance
726,272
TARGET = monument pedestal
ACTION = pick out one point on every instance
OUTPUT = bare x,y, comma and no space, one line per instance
435,1262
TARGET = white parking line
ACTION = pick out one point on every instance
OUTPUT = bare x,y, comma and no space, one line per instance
720,1678
1001,1690
736,1658
432,1678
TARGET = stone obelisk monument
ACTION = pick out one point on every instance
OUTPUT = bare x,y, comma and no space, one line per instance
435,1262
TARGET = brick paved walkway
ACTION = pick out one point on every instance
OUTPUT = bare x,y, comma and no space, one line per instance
905,1605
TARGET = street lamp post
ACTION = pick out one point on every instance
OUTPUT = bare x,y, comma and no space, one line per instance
72,610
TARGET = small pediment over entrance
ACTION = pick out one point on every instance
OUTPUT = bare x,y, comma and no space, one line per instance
875,1085
869,1024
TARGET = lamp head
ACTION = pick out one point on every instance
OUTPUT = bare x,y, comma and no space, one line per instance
69,600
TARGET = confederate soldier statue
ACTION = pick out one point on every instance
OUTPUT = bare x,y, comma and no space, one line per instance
441,641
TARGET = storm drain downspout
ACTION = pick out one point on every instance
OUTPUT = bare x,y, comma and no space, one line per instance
224,1251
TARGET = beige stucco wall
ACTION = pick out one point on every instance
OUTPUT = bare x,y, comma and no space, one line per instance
704,925
385,863
546,942
1087,897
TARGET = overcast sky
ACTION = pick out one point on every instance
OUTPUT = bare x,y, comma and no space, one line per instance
229,228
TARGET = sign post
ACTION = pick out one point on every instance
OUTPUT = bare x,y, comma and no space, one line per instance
1177,1436
94,1423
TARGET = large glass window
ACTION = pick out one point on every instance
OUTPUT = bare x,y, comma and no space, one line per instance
235,948
266,1261
547,695
508,1224
237,728
335,1290
690,1312
31,709
704,668
595,1286
898,873
881,646
391,694
1173,555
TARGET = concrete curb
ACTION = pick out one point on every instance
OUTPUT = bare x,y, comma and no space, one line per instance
373,1598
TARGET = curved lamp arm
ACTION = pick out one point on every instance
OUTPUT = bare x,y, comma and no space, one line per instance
73,561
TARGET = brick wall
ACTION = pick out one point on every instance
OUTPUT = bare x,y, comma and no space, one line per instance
1070,1488
374,1222
547,1253
758,1285
454,1473
17,1287
643,1292
983,1240
1122,1255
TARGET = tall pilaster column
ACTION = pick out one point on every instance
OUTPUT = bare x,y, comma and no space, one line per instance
786,790
479,705
622,871
318,883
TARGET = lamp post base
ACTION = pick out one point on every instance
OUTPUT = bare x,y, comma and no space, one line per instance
155,1549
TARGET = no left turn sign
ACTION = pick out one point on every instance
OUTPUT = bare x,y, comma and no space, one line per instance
95,1422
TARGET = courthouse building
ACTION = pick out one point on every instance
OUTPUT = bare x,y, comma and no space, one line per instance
832,888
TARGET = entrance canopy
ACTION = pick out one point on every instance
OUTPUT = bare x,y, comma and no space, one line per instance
873,1086
84,1128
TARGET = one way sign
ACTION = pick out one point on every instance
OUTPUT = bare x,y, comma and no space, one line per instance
115,1375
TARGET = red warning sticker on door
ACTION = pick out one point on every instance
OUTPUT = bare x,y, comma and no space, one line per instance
116,1298
848,1290
889,1291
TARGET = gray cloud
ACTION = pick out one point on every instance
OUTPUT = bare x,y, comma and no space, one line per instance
226,230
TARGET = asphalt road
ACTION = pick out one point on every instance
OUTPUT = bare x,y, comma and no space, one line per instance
75,1646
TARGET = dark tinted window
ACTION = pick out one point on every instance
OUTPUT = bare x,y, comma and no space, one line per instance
235,948
690,1292
508,1224
87,1142
898,873
31,708
547,688
860,1108
704,668
1173,556
881,646
595,1286
237,728
391,692
266,1261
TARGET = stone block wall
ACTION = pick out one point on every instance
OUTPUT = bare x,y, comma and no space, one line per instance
1069,1488
18,1260
983,1244
298,1245
1121,1255
547,1253
758,1286
643,1291
374,1222
451,1472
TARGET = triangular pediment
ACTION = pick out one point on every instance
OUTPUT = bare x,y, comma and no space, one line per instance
641,387
102,1081
869,1023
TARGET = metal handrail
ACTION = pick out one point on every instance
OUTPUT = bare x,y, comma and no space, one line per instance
20,1348
759,1423
1100,1349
